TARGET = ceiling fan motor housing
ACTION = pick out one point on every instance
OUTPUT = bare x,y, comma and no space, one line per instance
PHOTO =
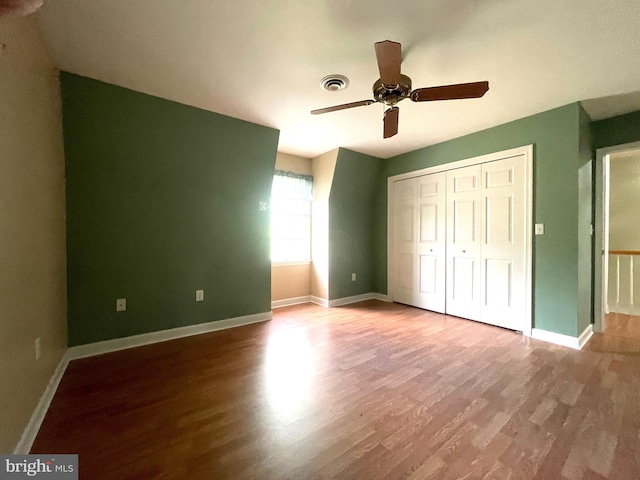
392,94
393,87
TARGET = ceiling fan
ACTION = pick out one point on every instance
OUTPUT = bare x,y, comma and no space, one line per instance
393,87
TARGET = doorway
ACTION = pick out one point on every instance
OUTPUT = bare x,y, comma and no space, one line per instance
617,271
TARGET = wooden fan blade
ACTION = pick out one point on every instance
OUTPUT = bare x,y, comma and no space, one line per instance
389,55
391,117
335,108
450,92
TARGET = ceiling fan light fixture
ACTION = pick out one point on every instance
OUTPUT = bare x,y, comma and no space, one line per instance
334,82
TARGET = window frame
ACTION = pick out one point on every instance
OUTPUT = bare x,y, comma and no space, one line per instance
299,196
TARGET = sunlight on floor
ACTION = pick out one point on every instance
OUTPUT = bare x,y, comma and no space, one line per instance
289,368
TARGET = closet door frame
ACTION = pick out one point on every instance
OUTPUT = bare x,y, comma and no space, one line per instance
527,153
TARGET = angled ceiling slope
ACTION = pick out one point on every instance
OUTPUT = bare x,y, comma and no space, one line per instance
263,61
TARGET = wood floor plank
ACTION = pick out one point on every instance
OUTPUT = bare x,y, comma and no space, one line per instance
366,391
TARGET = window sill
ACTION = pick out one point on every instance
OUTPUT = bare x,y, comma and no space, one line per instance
291,263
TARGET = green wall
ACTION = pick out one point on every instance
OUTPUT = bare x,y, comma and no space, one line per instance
555,136
616,130
351,223
162,199
586,165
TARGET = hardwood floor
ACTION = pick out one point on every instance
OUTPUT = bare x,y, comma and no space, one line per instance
367,391
621,325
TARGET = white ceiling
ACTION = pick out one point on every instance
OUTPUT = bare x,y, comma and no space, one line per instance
262,60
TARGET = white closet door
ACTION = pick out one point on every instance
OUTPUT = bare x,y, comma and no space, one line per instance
463,242
459,242
503,250
431,241
404,244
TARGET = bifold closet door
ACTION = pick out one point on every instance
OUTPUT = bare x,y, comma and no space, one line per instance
419,241
503,249
459,242
404,244
431,241
463,242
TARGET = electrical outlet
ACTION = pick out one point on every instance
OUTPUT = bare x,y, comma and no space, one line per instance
199,295
38,350
262,206
121,304
353,277
539,228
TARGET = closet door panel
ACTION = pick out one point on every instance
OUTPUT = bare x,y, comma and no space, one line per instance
404,241
463,242
459,242
503,243
431,243
419,241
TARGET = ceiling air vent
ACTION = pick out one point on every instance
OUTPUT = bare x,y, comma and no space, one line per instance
333,83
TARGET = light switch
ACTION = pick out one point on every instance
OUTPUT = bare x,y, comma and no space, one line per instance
539,228
199,295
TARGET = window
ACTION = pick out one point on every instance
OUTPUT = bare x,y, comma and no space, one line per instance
291,217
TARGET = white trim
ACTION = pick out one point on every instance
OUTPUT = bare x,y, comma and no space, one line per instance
323,302
291,263
528,165
564,340
628,304
33,427
82,351
557,338
585,336
347,300
354,299
285,302
116,344
633,310
467,162
381,296
601,230
527,152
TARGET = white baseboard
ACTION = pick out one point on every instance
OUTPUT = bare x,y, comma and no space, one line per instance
632,310
290,301
585,336
32,428
357,298
116,344
347,300
557,338
323,302
382,297
564,340
82,351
